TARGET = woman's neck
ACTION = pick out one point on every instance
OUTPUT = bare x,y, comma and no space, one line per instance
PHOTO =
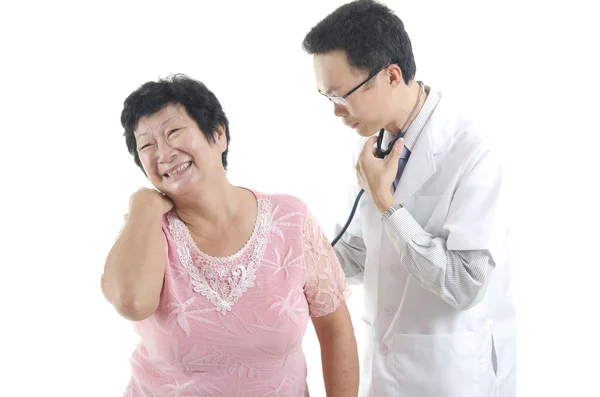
209,207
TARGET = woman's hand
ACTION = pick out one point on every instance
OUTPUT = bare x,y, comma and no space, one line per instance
149,199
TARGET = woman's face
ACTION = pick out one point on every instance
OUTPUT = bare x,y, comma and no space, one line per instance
175,153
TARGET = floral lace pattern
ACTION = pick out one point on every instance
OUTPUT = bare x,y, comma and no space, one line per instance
223,280
326,287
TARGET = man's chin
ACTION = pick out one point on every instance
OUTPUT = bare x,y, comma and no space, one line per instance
366,132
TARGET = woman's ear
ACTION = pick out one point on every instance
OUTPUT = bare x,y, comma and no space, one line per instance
221,137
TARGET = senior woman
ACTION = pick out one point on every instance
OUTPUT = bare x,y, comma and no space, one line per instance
219,280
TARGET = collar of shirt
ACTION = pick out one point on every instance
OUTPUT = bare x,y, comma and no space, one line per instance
415,128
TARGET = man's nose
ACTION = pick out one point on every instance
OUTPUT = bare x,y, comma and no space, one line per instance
340,110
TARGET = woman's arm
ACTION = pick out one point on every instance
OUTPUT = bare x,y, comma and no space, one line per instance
135,266
326,290
338,352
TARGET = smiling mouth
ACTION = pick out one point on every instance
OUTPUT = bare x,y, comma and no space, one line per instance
181,168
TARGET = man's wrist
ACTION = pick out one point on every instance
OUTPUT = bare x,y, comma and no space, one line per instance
384,202
387,213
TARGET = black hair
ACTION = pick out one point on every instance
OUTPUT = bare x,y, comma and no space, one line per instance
370,34
178,89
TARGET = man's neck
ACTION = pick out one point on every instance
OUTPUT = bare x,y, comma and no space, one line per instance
413,93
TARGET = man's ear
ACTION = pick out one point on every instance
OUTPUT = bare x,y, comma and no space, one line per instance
394,75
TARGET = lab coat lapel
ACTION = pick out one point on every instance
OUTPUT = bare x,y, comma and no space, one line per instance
420,167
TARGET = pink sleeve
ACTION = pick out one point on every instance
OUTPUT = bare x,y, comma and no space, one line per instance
326,286
165,231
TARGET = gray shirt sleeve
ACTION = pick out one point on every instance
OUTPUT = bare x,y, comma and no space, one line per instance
458,277
351,252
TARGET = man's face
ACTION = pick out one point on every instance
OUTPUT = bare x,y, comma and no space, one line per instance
367,109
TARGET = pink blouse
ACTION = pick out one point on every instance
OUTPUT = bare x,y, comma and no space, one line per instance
234,326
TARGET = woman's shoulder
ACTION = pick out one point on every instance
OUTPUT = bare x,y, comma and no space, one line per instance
282,202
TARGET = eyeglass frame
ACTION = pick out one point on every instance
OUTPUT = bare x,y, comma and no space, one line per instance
341,100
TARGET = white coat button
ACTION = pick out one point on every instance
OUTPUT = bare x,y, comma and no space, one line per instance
388,310
383,350
394,269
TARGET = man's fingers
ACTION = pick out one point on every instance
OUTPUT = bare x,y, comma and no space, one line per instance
396,152
368,148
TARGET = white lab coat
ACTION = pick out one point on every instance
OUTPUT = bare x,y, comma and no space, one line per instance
418,345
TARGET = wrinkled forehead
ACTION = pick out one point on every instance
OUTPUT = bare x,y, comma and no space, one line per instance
155,122
333,73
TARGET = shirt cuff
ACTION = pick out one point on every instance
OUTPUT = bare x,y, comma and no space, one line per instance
401,226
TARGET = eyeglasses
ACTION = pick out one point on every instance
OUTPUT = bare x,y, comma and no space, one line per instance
341,100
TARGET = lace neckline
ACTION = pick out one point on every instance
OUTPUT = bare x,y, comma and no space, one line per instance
228,258
223,280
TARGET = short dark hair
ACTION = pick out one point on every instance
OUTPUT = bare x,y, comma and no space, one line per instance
370,34
178,89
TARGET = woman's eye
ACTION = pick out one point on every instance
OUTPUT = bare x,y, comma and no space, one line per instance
173,131
144,147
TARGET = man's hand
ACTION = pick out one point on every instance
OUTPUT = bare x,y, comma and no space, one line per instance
376,175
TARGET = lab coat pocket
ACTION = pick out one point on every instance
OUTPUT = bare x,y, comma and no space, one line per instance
424,207
437,365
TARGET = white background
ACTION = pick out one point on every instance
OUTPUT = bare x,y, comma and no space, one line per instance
66,174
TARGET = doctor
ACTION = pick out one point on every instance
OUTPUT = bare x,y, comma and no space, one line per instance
429,240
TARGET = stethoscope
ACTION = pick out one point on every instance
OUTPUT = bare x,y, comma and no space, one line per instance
381,154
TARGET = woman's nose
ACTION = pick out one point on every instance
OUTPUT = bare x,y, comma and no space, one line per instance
166,153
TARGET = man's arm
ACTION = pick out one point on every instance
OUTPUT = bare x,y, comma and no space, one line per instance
458,277
350,249
351,252
458,267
